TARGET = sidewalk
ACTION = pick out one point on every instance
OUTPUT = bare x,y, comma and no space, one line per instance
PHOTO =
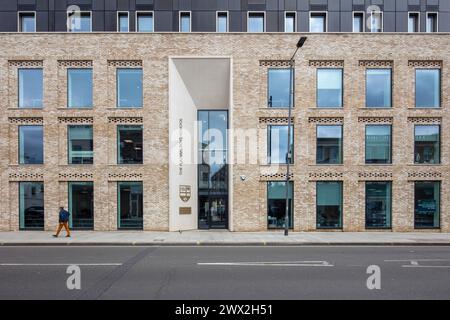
135,238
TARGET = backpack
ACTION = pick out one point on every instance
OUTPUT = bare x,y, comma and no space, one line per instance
64,215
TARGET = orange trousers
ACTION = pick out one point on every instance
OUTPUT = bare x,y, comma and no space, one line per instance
61,225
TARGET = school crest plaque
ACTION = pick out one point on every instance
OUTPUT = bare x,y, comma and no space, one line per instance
185,193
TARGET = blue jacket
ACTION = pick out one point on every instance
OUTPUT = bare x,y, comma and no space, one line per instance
64,215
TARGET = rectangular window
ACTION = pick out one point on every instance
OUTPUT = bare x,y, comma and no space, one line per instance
428,88
256,22
27,22
130,205
276,204
278,147
278,91
376,21
427,196
123,21
329,204
289,22
378,204
144,21
329,144
31,206
129,88
222,22
378,144
378,88
129,144
358,22
79,88
81,205
31,145
30,88
318,22
413,22
427,144
185,21
432,22
329,88
81,144
79,22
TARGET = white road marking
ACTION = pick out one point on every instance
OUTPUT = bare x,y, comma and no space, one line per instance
415,263
271,263
58,264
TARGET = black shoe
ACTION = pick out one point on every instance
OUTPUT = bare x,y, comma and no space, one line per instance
67,236
55,236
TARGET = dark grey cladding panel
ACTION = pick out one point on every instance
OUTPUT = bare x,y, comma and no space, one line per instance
26,7
164,21
42,21
303,21
272,5
144,7
98,5
204,5
359,7
235,21
42,5
414,8
98,21
8,5
333,5
204,21
346,21
290,5
123,5
110,20
163,5
389,22
256,7
444,21
334,24
110,5
433,7
61,21
272,21
401,21
8,21
318,7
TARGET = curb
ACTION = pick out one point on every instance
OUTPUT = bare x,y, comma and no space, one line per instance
218,244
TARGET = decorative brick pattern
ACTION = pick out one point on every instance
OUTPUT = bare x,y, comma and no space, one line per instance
265,120
376,63
275,177
326,120
26,176
425,63
125,63
75,176
380,120
326,175
275,63
424,120
375,175
26,63
75,120
75,63
326,63
424,175
25,120
124,176
125,120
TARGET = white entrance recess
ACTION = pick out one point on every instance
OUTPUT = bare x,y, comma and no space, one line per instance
195,83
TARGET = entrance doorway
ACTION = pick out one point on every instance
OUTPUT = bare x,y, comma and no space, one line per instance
213,169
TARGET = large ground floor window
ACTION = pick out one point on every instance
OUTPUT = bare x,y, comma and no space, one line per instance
81,205
276,204
378,204
427,204
329,204
130,205
31,206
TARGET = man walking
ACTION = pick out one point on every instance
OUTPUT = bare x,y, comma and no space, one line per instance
63,222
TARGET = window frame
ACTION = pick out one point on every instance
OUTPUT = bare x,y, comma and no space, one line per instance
119,204
342,87
363,21
180,13
18,88
118,19
311,13
269,144
69,160
264,20
391,87
117,88
136,21
417,13
92,89
390,145
295,20
22,216
19,20
291,94
341,151
440,144
436,13
19,144
439,89
365,204
81,12
382,20
439,182
217,20
292,198
341,183
118,162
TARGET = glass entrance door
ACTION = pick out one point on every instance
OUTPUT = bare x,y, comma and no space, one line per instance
213,169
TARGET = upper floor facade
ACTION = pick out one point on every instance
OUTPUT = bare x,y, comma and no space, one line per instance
225,15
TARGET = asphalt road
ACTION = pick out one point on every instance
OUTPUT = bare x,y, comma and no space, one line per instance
225,272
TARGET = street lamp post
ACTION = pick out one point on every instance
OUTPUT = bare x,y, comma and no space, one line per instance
300,44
